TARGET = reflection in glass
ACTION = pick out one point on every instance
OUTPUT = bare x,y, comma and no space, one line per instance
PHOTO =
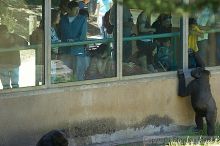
73,27
17,62
81,22
205,19
157,46
37,38
127,29
102,8
102,63
208,42
55,20
217,36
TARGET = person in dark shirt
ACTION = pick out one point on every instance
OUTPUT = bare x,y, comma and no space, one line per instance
163,25
145,46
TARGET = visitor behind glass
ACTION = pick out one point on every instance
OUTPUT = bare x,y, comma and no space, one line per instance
146,46
205,19
10,61
127,29
73,27
101,8
37,38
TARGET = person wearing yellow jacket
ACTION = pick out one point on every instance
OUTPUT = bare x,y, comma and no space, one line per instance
194,32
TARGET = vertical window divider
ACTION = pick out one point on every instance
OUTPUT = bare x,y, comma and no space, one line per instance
185,38
47,43
119,39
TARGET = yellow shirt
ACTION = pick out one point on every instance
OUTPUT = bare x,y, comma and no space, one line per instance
194,31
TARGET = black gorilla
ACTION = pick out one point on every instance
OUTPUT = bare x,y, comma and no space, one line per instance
202,100
53,138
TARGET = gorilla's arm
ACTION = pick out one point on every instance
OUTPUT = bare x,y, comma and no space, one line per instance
199,61
182,89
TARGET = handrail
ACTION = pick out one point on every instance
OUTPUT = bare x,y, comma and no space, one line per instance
91,41
152,36
17,48
54,45
213,30
79,43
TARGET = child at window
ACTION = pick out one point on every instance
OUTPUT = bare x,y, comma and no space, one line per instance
194,32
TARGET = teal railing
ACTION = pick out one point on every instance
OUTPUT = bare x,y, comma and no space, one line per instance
86,42
66,44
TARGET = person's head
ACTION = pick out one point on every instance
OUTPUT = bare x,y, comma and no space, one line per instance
55,17
4,31
102,51
63,6
86,1
165,19
200,72
73,8
192,21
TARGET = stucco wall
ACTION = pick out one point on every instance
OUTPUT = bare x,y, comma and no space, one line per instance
123,103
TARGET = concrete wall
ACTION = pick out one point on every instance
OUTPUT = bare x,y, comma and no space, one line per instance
101,108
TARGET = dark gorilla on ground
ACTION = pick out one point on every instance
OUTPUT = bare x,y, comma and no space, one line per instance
53,138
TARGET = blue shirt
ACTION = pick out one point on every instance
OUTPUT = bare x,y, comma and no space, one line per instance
74,31
81,4
54,37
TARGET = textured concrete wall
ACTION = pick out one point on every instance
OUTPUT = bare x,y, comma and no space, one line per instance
101,108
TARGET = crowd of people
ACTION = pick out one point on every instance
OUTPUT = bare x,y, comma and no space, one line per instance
70,23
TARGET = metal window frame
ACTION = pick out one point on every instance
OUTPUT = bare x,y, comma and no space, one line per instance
119,40
185,33
47,43
47,47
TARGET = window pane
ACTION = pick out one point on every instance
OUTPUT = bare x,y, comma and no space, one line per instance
204,27
151,42
82,48
21,64
216,39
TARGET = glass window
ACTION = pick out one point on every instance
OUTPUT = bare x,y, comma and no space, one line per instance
83,46
216,39
21,43
204,27
151,41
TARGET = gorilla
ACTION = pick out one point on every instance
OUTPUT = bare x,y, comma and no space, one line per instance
202,100
53,138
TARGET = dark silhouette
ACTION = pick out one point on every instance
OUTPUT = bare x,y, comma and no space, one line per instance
53,138
202,100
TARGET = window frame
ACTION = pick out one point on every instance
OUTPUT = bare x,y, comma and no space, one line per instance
47,44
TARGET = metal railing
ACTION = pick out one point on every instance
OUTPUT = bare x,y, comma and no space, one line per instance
86,42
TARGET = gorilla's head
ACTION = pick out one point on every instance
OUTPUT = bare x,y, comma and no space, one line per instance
200,72
53,138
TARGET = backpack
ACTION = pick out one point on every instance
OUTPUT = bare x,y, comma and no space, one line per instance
106,23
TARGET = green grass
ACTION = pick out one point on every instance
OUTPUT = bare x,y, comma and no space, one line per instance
190,138
193,142
198,139
132,144
190,131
